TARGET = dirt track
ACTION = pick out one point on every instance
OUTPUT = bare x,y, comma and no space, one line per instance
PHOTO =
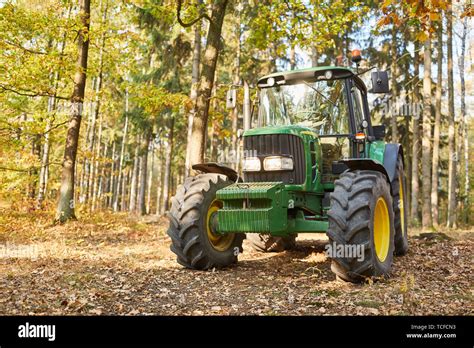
111,264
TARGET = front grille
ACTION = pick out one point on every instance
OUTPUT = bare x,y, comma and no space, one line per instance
274,145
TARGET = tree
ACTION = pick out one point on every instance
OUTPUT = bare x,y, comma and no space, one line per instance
437,126
65,209
451,220
206,82
426,138
193,94
415,180
463,120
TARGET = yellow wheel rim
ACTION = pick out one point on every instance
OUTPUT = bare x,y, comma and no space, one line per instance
381,229
220,242
401,206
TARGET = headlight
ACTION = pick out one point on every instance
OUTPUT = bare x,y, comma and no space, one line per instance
277,163
251,164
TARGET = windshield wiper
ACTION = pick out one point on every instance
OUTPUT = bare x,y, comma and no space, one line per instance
322,95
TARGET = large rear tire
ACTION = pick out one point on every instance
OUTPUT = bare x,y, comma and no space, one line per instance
194,241
268,243
361,224
399,209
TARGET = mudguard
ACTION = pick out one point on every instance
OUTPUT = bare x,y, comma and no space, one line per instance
212,167
390,158
365,164
389,166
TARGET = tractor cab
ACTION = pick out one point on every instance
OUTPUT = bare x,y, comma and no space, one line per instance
329,102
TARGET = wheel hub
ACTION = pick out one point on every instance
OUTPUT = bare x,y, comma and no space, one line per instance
218,241
381,229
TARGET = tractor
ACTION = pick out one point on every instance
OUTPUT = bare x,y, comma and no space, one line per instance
312,162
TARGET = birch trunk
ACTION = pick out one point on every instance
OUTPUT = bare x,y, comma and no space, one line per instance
437,125
465,135
426,138
451,220
415,181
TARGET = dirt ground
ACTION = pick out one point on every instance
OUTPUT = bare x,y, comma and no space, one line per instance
113,264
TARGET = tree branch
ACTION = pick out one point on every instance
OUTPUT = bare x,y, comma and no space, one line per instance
14,169
14,44
30,93
189,24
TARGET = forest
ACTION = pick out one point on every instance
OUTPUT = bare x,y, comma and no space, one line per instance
97,99
105,105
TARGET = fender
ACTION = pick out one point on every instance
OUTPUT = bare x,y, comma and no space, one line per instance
212,167
365,164
390,158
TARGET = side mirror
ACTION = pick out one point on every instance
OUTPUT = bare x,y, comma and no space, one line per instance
379,82
379,132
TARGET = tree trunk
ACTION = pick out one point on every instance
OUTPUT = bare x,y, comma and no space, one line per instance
134,183
463,121
120,191
247,106
193,94
169,153
314,47
426,139
143,173
123,198
96,174
393,74
150,178
415,181
292,57
159,185
199,130
437,125
33,172
451,221
44,170
65,209
235,111
314,56
52,103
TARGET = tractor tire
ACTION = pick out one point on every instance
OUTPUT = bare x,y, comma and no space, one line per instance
192,239
399,209
267,243
361,218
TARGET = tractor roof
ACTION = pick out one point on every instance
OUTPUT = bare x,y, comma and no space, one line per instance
295,76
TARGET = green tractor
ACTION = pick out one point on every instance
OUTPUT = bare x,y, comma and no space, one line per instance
313,162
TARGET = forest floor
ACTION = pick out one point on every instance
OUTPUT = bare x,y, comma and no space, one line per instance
115,264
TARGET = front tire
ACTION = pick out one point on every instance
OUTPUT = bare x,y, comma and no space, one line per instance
194,241
361,220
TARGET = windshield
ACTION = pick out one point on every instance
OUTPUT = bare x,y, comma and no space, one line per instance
320,105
